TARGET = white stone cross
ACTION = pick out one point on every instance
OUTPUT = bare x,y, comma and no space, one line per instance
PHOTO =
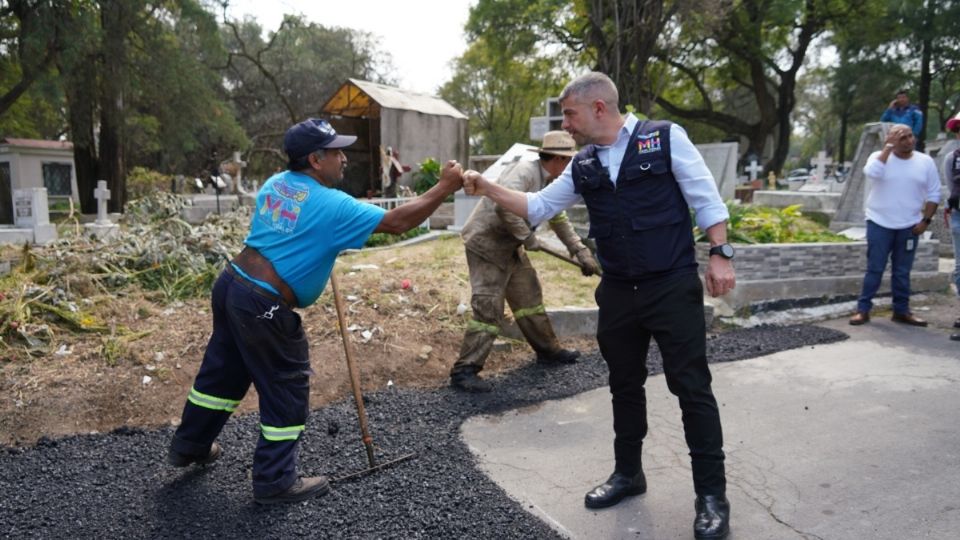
102,195
754,169
821,162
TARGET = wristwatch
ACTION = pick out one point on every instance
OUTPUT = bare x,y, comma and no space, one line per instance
927,220
724,250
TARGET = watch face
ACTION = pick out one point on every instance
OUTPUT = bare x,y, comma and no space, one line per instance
724,250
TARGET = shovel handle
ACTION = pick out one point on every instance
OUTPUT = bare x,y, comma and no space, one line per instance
351,367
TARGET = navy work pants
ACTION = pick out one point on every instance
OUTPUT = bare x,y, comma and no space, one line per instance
669,309
256,338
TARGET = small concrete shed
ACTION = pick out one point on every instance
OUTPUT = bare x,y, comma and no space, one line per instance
417,126
33,163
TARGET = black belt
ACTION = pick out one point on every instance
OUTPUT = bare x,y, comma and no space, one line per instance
254,287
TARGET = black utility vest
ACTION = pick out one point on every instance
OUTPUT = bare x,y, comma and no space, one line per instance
641,225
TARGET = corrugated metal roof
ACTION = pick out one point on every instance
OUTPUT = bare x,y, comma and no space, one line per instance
347,101
38,143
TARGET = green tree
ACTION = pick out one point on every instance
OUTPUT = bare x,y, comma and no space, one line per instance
279,80
131,78
507,72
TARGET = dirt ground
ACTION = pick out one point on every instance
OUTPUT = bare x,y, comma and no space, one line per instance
402,313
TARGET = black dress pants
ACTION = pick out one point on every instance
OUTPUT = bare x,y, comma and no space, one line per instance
669,309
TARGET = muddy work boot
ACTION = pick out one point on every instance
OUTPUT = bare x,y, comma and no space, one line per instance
182,460
469,382
563,356
301,490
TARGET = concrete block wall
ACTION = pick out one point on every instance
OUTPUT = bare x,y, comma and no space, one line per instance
773,272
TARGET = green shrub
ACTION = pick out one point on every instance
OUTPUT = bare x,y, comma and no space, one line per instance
765,225
142,182
427,176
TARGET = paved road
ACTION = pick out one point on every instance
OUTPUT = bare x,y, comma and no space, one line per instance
857,439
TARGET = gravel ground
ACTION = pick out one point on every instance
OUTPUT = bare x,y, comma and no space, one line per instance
116,485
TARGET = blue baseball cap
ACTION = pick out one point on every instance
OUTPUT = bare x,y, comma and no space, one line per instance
311,135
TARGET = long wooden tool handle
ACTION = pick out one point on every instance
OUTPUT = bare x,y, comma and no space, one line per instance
351,367
561,256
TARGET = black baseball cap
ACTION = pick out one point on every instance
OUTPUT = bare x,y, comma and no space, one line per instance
311,135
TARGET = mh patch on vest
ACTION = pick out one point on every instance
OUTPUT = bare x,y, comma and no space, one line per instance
648,143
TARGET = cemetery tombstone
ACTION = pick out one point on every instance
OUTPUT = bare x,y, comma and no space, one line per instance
721,159
850,210
31,211
102,228
817,182
753,170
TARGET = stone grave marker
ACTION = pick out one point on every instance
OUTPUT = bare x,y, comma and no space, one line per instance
31,211
753,170
850,209
721,159
102,228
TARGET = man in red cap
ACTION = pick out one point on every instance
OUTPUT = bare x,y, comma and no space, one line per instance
300,225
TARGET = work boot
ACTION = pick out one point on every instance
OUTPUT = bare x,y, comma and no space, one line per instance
301,490
469,381
563,356
182,460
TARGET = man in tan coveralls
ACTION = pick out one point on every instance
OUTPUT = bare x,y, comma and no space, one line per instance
496,241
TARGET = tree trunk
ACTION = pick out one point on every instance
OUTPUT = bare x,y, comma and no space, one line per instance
925,78
116,17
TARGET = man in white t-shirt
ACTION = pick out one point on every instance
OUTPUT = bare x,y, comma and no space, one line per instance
900,207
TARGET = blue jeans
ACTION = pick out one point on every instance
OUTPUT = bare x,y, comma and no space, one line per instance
955,231
884,244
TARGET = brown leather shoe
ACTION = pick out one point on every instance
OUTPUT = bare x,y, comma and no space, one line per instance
908,318
859,318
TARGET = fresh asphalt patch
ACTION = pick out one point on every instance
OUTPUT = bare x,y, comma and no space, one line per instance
117,485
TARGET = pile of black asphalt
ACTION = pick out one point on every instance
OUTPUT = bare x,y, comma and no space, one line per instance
116,485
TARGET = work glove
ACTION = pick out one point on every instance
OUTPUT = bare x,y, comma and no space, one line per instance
531,243
588,265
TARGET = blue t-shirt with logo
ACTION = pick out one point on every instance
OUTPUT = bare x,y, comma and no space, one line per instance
301,226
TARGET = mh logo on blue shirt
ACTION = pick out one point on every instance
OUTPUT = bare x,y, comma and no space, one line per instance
648,143
281,209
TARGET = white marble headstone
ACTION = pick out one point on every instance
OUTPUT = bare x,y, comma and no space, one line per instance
721,159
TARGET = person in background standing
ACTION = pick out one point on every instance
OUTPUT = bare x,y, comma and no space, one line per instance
901,111
903,198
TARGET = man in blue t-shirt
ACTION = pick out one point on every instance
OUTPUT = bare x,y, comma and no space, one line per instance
300,224
901,111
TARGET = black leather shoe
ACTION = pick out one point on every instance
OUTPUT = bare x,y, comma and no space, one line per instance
954,337
301,490
470,382
713,517
563,356
182,460
615,489
956,323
